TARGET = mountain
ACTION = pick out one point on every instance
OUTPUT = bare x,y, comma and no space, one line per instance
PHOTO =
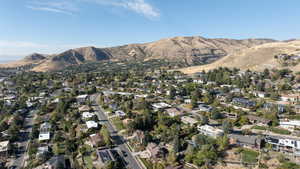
187,50
255,58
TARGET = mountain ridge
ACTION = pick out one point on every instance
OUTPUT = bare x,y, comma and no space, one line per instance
189,50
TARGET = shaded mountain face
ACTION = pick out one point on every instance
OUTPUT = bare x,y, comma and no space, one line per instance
35,57
187,50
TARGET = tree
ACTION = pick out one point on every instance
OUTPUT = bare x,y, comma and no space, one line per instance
106,136
223,143
227,126
204,120
176,144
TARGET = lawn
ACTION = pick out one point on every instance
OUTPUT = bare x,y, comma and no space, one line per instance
259,128
88,161
249,156
280,131
118,123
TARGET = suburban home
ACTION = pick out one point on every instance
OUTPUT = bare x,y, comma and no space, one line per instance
188,120
292,98
258,120
56,162
174,112
205,108
91,124
243,102
285,145
138,136
42,151
158,106
45,131
84,108
259,94
290,124
105,156
280,107
252,142
87,115
81,99
120,113
154,151
210,131
230,115
297,108
4,149
96,140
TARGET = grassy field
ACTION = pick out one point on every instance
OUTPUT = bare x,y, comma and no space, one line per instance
249,156
118,123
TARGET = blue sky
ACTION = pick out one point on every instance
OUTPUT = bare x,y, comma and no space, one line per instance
51,26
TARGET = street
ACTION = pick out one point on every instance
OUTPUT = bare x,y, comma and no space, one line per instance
118,140
18,162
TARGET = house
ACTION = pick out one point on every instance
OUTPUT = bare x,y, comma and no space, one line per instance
138,136
189,120
230,115
243,102
285,145
42,151
259,94
105,156
297,108
96,140
271,106
174,112
91,124
120,113
290,124
205,108
154,150
56,162
4,148
158,106
87,115
45,131
210,131
81,99
258,120
292,98
84,108
252,142
187,101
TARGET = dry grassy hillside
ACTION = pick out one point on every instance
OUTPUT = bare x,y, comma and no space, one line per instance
255,58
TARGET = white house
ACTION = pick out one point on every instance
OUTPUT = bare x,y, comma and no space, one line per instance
120,113
210,131
87,115
290,124
91,124
188,120
161,105
45,131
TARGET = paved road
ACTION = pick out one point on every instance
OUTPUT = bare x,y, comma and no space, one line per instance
131,161
23,143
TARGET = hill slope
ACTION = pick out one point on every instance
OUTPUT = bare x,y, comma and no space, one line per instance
255,58
187,50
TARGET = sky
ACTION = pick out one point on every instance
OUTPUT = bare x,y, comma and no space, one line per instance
52,26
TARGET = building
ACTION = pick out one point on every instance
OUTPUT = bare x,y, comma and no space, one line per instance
96,140
4,148
105,156
91,124
258,120
188,120
290,124
81,99
154,150
292,98
285,145
210,131
120,113
252,142
45,131
87,115
205,108
174,112
158,106
243,102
